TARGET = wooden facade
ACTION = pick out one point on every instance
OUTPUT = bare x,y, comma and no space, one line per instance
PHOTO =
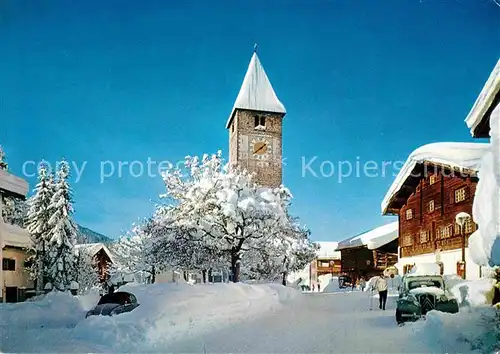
427,209
360,261
103,263
328,266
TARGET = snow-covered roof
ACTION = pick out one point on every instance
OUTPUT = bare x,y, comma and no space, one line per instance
93,248
485,99
372,239
256,92
13,184
328,250
457,156
14,236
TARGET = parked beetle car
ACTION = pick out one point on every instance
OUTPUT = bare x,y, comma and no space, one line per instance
419,294
114,304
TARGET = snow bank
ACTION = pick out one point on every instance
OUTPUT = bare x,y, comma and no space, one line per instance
329,284
171,311
474,293
54,310
484,243
167,312
470,331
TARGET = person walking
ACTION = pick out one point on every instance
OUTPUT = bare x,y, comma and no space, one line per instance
381,286
362,283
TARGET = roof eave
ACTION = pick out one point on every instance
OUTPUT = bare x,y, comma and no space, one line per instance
486,98
389,208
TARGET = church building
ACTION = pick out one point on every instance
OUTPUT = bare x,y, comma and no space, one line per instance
255,127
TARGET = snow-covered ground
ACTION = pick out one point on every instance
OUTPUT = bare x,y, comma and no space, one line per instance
166,312
239,318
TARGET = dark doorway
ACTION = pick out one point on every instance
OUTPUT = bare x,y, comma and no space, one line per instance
11,294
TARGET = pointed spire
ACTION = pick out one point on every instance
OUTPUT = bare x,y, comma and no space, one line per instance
256,92
3,162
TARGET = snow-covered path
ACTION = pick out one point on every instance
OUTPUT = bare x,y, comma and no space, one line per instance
318,323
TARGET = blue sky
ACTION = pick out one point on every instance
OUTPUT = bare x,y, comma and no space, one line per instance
366,80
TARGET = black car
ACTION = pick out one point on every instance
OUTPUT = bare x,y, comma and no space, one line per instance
114,304
345,281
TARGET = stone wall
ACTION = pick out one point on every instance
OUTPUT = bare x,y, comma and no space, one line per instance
268,171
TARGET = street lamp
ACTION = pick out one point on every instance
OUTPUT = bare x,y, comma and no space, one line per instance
461,219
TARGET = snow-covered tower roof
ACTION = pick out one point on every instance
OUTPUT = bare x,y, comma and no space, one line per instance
462,157
256,92
478,119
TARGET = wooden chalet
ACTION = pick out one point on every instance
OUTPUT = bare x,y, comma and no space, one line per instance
101,255
328,259
370,253
437,182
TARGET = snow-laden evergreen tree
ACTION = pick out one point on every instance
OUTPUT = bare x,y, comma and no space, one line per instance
3,161
62,233
37,224
87,271
223,211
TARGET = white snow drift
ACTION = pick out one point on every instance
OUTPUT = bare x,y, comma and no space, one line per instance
167,312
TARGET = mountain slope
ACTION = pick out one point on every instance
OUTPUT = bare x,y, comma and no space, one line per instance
86,235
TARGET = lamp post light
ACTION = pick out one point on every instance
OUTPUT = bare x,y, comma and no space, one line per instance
461,219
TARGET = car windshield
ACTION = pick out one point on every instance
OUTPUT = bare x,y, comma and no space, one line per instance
116,298
421,283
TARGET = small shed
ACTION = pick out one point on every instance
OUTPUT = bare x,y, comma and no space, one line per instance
369,253
101,254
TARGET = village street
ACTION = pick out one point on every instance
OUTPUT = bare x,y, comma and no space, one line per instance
320,323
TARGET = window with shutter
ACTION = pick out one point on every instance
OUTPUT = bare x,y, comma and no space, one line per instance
460,194
470,226
430,206
409,214
8,264
424,236
407,240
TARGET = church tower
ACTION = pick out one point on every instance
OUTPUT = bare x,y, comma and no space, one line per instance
255,127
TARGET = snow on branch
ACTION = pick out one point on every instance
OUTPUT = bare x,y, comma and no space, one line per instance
217,217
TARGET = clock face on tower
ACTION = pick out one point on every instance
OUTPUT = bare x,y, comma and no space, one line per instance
260,148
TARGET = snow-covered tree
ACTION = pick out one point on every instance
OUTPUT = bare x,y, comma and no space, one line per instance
131,255
289,249
14,211
62,233
172,247
37,224
3,161
87,271
225,212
